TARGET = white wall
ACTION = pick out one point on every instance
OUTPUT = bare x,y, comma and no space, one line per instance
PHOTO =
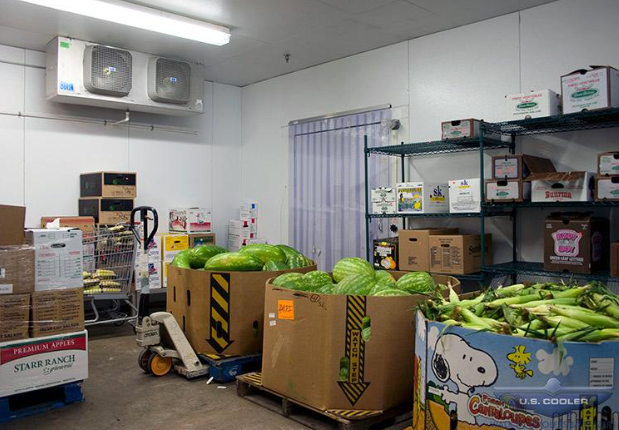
187,162
459,73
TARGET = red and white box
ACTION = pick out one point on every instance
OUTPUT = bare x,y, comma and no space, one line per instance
590,89
562,187
191,220
534,104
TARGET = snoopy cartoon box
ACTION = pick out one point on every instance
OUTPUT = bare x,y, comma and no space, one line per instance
422,197
467,379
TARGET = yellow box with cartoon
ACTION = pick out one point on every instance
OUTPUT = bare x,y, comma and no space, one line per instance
422,197
466,379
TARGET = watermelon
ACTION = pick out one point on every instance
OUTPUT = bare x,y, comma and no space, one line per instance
317,279
285,277
296,284
288,251
265,253
233,262
384,275
382,285
416,283
391,292
275,266
352,266
181,260
355,285
298,261
199,255
327,289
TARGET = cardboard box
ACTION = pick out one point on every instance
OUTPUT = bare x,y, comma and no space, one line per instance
191,220
240,228
607,189
590,89
608,164
154,261
576,242
251,208
235,243
382,194
317,350
108,184
42,363
196,239
171,246
614,260
257,241
381,208
414,247
460,129
16,270
469,379
14,317
422,197
464,195
84,223
534,104
562,187
386,254
507,191
513,166
58,258
458,254
220,312
56,312
106,211
12,225
251,222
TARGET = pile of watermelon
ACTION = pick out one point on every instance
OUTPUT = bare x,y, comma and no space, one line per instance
355,276
249,258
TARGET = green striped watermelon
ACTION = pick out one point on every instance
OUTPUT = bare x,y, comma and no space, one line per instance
392,292
384,275
355,285
352,266
317,279
298,261
181,260
234,262
382,285
265,253
288,251
199,255
274,266
285,277
327,289
416,283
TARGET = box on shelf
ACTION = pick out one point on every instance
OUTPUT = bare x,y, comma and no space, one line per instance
512,166
383,194
534,104
41,363
171,246
12,225
84,223
196,239
14,317
383,208
464,195
58,258
414,247
422,197
317,351
191,220
562,187
614,260
105,210
458,254
108,184
56,312
507,191
240,228
576,242
16,269
460,129
590,89
386,253
607,188
608,164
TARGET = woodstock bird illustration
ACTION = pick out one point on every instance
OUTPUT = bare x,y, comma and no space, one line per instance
520,358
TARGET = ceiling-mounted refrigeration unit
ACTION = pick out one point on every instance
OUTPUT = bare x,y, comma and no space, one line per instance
86,73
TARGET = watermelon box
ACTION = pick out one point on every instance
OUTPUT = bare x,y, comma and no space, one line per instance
220,312
340,352
467,379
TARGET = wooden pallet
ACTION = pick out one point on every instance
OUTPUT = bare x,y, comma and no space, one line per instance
250,387
225,368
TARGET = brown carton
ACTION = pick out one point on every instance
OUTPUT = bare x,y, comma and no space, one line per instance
12,225
16,270
14,317
106,210
108,184
513,166
196,239
414,247
84,223
56,312
340,352
458,254
575,242
614,260
220,312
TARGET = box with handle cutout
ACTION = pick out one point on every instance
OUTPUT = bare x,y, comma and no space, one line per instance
108,184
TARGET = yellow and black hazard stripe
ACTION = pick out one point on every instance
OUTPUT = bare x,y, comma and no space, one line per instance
220,312
354,414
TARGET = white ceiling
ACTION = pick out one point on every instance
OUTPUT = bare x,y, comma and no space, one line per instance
312,31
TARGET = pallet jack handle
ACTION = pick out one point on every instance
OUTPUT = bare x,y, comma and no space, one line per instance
144,302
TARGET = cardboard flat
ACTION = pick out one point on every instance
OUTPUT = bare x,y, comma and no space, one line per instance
614,260
534,104
414,247
514,166
12,225
84,223
315,351
196,239
458,254
385,253
16,270
109,184
422,197
607,189
507,191
608,164
14,317
220,312
56,312
561,187
106,211
590,89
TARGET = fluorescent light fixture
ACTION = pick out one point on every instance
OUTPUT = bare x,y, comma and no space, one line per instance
146,18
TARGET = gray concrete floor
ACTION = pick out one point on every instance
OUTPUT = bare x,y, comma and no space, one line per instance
120,396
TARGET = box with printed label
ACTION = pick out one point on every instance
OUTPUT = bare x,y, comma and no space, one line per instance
14,317
614,260
235,243
250,208
84,223
382,208
562,187
590,89
607,189
422,197
191,220
534,104
458,254
460,129
196,239
58,258
464,195
108,184
106,211
16,269
240,228
414,247
252,222
576,242
383,194
507,191
608,164
171,246
41,363
386,254
154,261
512,166
56,312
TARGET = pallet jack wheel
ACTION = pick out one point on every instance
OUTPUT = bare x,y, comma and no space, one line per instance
158,365
143,359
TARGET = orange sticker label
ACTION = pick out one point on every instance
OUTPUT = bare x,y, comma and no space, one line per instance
285,309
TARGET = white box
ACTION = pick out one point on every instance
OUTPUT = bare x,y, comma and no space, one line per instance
464,195
191,220
250,207
381,208
154,260
235,243
608,164
460,129
422,197
607,188
383,194
171,246
257,241
35,364
534,104
507,190
590,89
562,187
58,258
240,228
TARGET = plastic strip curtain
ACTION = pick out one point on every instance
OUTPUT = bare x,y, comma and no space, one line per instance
326,200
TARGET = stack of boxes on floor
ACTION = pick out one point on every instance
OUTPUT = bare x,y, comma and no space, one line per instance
107,196
244,231
41,306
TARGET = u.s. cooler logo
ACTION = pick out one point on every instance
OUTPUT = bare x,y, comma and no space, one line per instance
566,242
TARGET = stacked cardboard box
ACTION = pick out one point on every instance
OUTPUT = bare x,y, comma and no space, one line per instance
534,104
422,197
464,195
607,179
244,231
384,200
509,177
190,220
590,89
459,254
171,245
414,247
107,196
